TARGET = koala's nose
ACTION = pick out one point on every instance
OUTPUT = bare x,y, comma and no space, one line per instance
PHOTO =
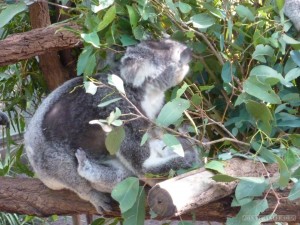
186,56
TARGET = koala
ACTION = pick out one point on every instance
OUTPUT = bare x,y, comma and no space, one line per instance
4,119
292,10
67,151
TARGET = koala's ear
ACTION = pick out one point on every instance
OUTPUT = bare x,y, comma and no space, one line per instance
136,70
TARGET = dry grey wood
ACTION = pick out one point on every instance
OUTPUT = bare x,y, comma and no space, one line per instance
36,42
189,191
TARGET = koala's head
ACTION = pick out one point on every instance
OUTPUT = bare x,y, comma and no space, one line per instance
162,64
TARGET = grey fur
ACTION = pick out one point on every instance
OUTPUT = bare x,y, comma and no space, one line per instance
292,11
68,152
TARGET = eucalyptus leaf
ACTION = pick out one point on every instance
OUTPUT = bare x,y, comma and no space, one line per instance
223,178
261,51
284,173
202,21
172,142
117,82
215,165
144,139
83,59
108,102
184,7
172,112
91,38
109,16
103,4
114,140
249,189
245,12
136,214
295,54
261,91
10,11
295,192
126,193
90,87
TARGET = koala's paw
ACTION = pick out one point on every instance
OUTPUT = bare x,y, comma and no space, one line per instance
102,202
191,158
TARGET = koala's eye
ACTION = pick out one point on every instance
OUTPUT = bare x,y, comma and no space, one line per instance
186,56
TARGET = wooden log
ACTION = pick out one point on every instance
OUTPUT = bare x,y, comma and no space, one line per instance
189,191
29,196
37,42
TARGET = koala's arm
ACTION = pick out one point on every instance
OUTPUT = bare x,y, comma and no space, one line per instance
292,10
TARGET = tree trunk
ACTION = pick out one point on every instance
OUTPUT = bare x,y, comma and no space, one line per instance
54,73
37,42
29,196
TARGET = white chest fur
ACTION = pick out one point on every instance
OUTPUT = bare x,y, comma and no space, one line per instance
153,101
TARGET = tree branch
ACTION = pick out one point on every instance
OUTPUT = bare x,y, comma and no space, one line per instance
37,42
29,196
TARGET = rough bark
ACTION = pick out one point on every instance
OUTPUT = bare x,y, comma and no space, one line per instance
54,73
30,196
36,42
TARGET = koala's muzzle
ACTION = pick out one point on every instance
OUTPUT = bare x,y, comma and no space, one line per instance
186,56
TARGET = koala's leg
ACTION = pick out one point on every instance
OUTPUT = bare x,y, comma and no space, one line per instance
102,175
58,170
162,158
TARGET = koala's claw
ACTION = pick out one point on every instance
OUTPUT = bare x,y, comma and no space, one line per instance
81,157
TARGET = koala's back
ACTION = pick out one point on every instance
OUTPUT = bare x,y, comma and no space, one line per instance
62,121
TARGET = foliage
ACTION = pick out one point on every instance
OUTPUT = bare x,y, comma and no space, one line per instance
243,92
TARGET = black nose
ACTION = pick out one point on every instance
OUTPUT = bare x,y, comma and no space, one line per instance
186,56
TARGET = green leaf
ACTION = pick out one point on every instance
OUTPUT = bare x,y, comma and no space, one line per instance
144,139
248,214
91,38
90,87
295,138
172,112
280,4
83,59
90,66
228,71
261,51
171,141
267,74
109,16
292,75
289,40
284,173
103,4
126,193
262,113
245,12
260,90
181,90
99,221
249,189
108,102
184,7
127,40
265,153
114,116
117,82
290,158
10,11
295,54
295,192
114,140
215,165
202,21
136,214
223,178
133,16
